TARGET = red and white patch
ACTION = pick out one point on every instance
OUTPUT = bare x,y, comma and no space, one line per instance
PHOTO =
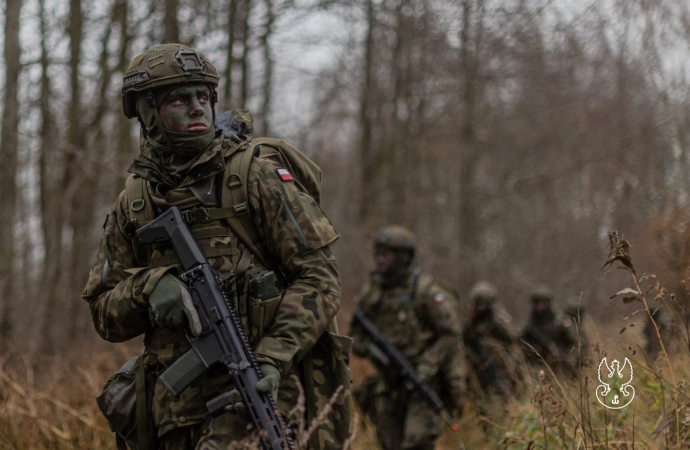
284,174
439,298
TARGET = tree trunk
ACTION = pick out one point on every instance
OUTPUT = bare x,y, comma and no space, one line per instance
8,167
366,147
172,28
268,68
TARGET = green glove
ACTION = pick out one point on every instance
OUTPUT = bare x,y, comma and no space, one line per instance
268,383
170,303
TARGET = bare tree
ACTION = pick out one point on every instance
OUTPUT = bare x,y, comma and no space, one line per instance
8,166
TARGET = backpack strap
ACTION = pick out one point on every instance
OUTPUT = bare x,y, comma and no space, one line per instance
140,212
235,196
140,206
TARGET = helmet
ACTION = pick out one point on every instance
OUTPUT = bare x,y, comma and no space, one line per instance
542,292
483,290
165,65
396,237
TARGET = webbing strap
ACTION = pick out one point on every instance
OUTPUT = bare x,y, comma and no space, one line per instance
235,196
142,416
140,208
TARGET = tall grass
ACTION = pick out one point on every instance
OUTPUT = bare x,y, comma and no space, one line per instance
49,404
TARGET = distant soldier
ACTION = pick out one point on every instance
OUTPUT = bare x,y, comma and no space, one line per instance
418,315
574,316
488,340
663,322
548,334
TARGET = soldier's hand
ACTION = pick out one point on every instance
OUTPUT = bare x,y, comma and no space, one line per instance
171,303
268,383
237,406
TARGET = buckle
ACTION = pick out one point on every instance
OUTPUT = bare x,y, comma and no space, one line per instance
240,209
196,215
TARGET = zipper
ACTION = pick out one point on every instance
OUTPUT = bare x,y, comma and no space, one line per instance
169,180
295,224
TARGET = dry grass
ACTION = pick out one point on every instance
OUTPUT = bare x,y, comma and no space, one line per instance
49,404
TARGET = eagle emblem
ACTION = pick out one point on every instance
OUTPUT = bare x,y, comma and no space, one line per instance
614,390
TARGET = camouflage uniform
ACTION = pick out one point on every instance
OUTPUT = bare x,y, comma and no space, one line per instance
489,341
301,337
419,316
548,333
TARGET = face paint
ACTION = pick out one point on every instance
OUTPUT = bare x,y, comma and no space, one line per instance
187,109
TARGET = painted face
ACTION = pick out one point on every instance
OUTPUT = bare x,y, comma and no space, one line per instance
385,258
187,109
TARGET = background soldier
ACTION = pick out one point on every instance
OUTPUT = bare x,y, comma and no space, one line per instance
419,317
133,290
489,341
547,332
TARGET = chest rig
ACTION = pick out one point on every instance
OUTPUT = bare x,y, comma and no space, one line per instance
399,312
217,212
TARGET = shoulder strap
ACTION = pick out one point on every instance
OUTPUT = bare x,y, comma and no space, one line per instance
140,206
235,195
140,212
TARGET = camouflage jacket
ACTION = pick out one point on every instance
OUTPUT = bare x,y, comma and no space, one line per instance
420,318
488,337
300,328
553,337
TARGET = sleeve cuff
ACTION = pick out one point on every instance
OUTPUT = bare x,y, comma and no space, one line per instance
273,351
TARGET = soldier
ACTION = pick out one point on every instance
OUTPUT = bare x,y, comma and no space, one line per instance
548,334
489,340
134,290
419,317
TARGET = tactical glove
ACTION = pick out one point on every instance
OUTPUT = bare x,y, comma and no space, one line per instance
170,303
268,383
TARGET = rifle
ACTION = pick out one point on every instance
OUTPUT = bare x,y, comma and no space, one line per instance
406,370
222,341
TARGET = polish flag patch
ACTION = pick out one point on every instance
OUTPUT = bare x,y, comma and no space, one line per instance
439,298
284,174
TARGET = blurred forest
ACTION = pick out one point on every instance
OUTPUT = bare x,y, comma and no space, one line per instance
510,136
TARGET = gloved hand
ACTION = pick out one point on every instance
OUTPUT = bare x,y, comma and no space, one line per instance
268,383
170,303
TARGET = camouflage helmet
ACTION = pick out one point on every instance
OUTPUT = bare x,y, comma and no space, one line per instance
542,293
165,65
483,290
396,237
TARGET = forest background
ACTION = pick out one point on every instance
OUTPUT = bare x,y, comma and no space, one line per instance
510,136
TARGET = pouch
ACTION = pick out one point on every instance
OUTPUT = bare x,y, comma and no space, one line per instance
261,315
118,403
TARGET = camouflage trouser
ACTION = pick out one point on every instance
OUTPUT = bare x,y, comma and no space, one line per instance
389,409
216,434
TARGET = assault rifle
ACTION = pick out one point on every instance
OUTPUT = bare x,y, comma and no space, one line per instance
222,341
393,355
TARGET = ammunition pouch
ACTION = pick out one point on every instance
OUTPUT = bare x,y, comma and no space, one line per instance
126,404
261,314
